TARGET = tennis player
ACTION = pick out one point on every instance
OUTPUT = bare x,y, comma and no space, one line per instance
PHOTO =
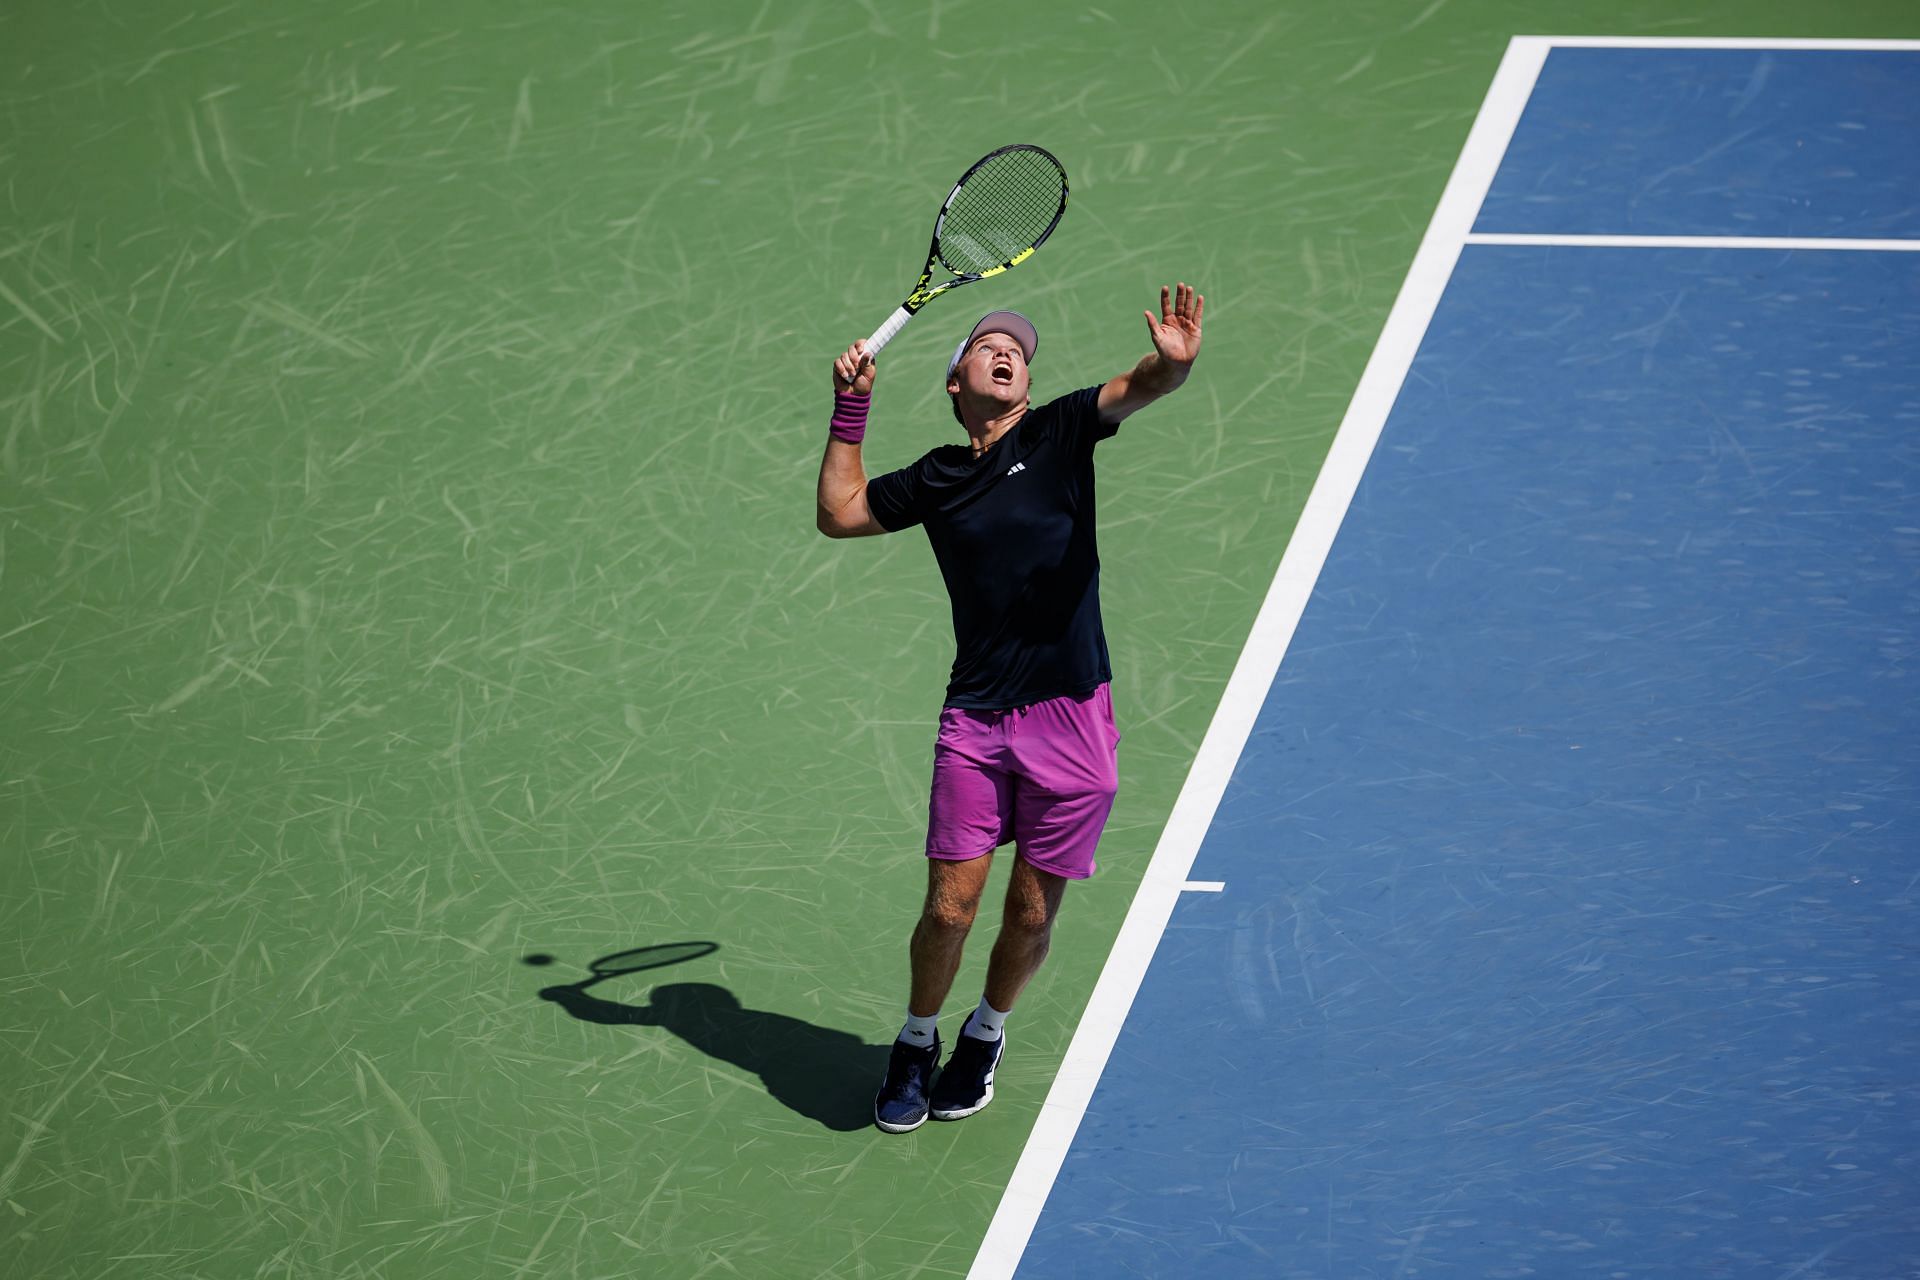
1025,748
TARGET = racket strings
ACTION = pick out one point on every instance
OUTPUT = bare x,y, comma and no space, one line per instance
1005,206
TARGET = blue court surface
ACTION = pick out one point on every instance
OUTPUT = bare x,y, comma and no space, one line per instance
1571,919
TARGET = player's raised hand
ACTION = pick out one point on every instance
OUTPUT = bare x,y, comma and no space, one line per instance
1176,334
853,371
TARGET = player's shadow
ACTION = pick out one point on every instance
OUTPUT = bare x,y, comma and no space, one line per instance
825,1075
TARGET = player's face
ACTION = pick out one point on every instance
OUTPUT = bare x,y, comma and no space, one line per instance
994,369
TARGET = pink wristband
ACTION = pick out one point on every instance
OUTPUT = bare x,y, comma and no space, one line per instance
849,417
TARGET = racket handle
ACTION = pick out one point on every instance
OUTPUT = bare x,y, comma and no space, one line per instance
884,334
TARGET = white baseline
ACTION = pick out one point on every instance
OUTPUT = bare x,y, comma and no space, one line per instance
1719,42
1816,243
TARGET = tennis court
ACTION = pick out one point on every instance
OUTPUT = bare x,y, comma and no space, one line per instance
410,614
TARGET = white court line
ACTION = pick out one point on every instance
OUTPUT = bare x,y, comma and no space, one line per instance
1166,874
1721,42
1204,886
1695,242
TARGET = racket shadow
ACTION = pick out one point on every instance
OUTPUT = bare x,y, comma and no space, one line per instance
821,1073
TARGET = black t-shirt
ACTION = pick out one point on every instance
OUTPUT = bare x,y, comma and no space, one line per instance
1013,531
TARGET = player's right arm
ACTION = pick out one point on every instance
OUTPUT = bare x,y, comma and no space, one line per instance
842,497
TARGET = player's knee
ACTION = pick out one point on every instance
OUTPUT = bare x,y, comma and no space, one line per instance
1032,920
944,915
1031,914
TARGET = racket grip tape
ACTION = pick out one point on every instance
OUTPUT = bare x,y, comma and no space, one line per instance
884,334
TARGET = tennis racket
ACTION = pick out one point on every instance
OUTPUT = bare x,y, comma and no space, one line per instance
1000,211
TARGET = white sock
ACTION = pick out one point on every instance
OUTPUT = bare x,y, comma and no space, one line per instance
919,1031
986,1022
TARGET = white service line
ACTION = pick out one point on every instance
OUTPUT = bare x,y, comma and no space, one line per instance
1693,242
1246,690
1204,886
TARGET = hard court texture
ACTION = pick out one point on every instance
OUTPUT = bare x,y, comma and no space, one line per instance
408,421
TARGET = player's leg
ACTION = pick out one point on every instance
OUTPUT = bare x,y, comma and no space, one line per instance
953,900
969,814
1026,934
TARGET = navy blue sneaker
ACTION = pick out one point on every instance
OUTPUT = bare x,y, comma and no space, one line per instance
901,1104
966,1084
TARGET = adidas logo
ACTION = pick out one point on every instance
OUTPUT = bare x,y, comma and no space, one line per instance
1018,466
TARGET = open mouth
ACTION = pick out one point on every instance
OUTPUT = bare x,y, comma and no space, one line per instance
1003,371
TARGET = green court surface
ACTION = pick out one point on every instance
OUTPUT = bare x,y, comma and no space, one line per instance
408,430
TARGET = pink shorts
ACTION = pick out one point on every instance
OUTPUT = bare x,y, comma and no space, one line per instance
1042,776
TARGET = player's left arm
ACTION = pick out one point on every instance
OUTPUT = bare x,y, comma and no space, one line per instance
1176,343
